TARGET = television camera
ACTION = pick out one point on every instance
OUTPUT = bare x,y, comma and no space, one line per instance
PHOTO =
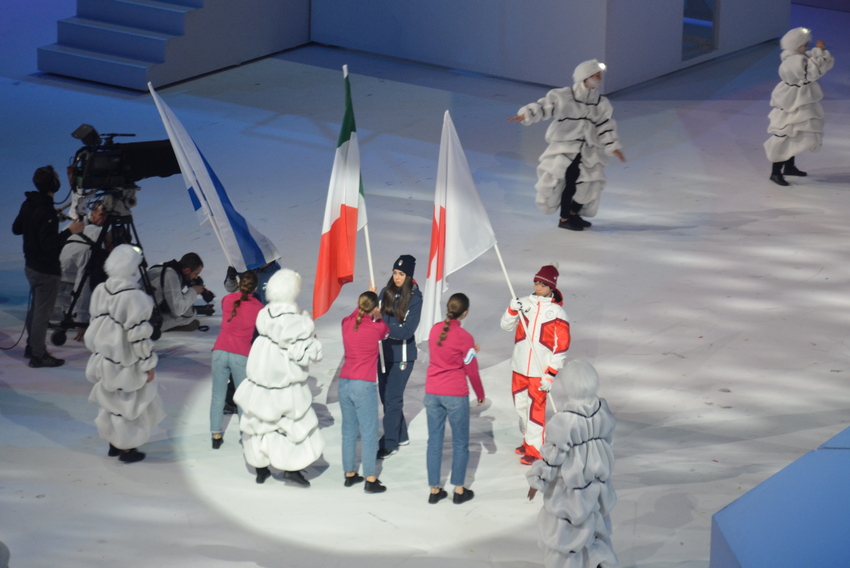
105,172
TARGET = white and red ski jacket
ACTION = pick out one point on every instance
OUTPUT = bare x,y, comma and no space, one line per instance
549,331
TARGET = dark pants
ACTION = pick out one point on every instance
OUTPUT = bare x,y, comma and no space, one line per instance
44,289
777,166
568,206
391,386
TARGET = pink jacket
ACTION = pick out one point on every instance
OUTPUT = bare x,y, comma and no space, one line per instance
452,362
237,334
361,347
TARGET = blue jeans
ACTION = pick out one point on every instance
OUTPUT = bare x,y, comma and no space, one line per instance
391,387
456,409
358,401
224,365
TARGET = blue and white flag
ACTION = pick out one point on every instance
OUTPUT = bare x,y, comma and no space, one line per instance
244,246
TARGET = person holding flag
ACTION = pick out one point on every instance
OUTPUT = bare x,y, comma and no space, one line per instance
401,308
541,341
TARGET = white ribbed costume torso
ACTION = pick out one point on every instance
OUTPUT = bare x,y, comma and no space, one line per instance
574,475
279,426
122,354
581,123
796,121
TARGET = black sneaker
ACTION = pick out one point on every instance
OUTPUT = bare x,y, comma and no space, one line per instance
353,479
584,222
113,451
217,442
131,456
47,361
385,453
779,180
572,223
435,498
467,495
793,171
296,477
263,473
374,487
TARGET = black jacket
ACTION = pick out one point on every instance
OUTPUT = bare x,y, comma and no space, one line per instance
38,222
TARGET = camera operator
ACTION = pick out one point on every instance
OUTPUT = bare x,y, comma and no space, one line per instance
75,255
38,222
177,285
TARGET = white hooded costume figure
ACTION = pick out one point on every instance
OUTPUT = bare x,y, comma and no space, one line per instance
574,475
122,357
279,426
581,124
796,121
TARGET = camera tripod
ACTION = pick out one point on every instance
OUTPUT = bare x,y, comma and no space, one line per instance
120,227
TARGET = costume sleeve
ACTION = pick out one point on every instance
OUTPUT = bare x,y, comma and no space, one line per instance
179,302
555,337
606,128
543,109
297,337
819,62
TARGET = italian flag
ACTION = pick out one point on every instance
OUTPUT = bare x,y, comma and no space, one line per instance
345,214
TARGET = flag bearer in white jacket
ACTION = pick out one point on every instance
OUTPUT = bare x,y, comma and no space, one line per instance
796,121
571,172
541,324
122,362
574,475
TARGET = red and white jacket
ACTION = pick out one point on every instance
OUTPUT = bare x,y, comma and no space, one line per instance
549,331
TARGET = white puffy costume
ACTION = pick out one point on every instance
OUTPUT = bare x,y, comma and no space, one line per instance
279,426
574,475
796,121
581,124
122,354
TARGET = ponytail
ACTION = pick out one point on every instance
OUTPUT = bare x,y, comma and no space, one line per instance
366,303
457,305
247,285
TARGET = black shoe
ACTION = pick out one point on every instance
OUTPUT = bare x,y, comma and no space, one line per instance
263,473
467,495
793,171
131,456
28,352
353,479
230,409
47,361
385,453
113,451
779,180
572,223
296,477
374,487
584,222
435,498
217,442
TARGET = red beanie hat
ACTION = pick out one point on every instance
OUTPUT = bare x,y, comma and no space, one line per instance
548,275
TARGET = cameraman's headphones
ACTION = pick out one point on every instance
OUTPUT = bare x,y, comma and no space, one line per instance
57,183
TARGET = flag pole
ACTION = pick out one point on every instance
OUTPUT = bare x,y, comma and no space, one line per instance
522,323
369,256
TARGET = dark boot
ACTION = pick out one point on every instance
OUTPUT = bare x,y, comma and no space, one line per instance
296,477
263,473
571,223
791,169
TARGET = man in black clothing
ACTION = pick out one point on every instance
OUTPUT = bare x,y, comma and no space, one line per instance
38,222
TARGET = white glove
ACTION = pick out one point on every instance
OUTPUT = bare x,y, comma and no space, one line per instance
516,305
546,384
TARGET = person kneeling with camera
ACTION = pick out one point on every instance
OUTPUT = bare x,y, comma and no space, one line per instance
177,285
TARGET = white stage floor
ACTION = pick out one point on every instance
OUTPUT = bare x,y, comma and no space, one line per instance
713,302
